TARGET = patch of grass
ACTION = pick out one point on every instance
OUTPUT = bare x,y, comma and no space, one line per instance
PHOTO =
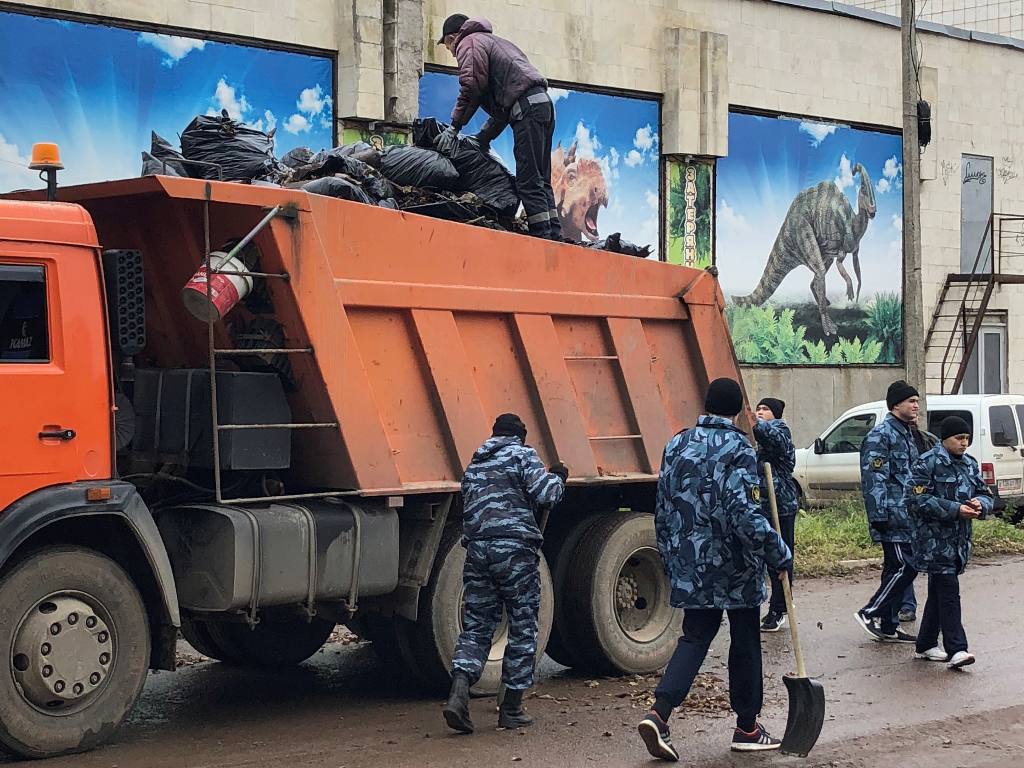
825,537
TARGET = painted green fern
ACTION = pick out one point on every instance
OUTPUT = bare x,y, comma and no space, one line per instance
885,322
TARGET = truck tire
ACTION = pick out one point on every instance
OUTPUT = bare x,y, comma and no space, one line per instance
564,645
76,638
618,598
196,632
440,622
391,638
269,643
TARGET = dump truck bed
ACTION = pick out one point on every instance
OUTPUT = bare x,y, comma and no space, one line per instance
423,330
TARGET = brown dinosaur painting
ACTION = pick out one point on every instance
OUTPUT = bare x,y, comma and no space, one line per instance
580,192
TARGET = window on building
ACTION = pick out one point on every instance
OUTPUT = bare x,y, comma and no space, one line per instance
1002,426
24,336
847,437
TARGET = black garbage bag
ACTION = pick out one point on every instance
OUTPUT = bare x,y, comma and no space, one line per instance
389,202
426,130
334,186
166,156
153,167
416,167
298,157
615,244
240,152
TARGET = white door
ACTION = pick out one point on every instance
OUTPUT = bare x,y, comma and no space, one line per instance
986,370
1004,437
835,470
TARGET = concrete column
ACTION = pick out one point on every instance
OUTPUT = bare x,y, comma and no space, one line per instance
360,59
696,107
403,59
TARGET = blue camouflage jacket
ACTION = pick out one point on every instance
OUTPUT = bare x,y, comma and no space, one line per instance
713,540
775,446
942,482
887,457
503,485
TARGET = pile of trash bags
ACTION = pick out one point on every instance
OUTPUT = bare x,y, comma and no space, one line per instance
469,185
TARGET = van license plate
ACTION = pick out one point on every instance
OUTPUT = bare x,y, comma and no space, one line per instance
1009,486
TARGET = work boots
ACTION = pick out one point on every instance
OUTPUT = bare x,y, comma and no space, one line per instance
456,711
511,713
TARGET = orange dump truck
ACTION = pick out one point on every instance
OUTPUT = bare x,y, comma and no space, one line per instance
292,461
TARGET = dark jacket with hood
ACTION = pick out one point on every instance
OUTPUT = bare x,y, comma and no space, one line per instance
493,74
503,484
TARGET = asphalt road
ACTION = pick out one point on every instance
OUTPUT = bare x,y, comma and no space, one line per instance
343,709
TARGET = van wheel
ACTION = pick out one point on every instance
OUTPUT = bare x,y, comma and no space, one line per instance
76,636
269,643
618,598
564,643
440,621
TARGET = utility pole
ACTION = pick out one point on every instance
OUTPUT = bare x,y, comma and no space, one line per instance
913,304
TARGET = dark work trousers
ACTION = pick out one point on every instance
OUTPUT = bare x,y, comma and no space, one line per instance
778,602
533,125
746,694
942,612
897,574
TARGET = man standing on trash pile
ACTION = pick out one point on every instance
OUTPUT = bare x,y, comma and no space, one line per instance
504,486
714,543
496,75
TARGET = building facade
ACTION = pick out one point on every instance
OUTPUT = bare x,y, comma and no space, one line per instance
718,129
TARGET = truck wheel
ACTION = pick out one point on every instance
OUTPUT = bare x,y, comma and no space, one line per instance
391,638
440,622
618,598
197,633
564,645
269,643
77,642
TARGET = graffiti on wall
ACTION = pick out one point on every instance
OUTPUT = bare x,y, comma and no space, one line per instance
800,206
688,229
98,91
605,160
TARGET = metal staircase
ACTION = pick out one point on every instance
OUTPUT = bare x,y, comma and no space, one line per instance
963,304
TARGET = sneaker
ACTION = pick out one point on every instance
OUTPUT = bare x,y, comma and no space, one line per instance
961,659
758,741
899,636
869,625
932,654
907,615
656,738
773,622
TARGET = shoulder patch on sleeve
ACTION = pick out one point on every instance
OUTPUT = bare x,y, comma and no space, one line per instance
918,490
755,494
876,463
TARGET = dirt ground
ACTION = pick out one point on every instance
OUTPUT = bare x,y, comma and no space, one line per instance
343,709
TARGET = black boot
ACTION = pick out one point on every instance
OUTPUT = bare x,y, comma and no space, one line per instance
511,713
456,711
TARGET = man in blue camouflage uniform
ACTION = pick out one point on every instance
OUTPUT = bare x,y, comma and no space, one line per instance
946,494
714,543
887,456
775,447
503,487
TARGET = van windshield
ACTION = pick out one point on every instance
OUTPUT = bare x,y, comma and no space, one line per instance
936,417
1002,426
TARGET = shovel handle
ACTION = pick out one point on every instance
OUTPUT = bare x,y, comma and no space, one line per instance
787,590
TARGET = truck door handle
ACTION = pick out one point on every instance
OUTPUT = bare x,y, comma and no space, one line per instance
60,434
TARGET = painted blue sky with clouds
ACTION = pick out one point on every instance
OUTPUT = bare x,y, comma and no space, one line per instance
770,161
621,133
98,91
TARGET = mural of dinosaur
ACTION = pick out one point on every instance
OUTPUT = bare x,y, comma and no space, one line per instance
820,227
580,192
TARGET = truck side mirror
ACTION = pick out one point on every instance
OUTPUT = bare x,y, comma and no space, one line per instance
126,300
819,446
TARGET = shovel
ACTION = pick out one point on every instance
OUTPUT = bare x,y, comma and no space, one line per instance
806,695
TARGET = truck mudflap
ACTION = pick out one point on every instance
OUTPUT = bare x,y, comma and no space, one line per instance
48,506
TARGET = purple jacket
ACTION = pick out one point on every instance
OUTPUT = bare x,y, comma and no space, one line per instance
493,74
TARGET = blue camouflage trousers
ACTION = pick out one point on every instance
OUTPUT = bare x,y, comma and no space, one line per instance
500,573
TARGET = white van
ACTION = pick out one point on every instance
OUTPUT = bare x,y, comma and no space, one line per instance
831,466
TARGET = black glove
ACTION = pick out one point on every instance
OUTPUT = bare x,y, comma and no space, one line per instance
480,142
561,470
445,142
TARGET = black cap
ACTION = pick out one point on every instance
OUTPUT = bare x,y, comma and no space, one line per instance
952,426
724,398
774,405
509,425
898,392
452,25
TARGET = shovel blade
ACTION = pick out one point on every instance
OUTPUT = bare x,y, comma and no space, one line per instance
806,715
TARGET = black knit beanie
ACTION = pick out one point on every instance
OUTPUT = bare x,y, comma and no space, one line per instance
774,405
954,425
898,392
509,425
724,398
